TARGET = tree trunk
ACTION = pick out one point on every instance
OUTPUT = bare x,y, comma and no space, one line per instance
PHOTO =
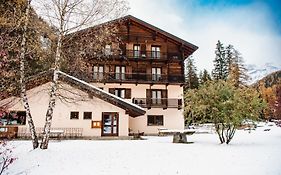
52,100
22,80
231,133
219,130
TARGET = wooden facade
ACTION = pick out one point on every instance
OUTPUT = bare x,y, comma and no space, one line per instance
138,53
144,54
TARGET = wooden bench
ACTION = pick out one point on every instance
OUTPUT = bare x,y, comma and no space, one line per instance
56,134
179,136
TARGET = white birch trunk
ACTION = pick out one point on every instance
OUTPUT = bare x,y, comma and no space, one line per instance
22,80
52,100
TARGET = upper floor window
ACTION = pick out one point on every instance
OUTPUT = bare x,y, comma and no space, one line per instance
155,52
121,92
156,73
98,72
156,96
120,72
136,51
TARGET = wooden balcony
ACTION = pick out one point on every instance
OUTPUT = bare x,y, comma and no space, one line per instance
135,78
158,103
151,56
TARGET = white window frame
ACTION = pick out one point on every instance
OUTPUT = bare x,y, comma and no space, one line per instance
98,72
156,73
155,52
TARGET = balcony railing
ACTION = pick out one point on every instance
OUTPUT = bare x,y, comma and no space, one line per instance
151,55
135,77
158,102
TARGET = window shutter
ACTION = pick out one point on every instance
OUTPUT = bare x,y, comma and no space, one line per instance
123,48
112,90
148,97
164,98
128,93
143,49
179,103
164,93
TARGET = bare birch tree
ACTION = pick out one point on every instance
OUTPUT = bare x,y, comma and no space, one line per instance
22,79
69,16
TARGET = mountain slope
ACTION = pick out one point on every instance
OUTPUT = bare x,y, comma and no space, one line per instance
258,72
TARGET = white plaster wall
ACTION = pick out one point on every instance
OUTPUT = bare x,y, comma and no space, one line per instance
38,100
173,118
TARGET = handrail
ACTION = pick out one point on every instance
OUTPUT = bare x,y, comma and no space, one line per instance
158,102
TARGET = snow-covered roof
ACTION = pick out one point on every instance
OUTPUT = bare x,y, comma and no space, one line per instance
133,109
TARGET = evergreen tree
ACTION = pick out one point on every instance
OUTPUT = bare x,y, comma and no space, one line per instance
220,72
191,76
229,56
205,77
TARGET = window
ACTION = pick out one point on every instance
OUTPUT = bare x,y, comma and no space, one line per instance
156,96
121,92
156,73
155,120
87,116
13,118
98,72
136,51
74,115
155,52
120,72
107,50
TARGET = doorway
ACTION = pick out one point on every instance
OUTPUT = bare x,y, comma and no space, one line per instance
110,124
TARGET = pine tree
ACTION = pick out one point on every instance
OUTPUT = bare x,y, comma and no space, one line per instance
205,77
229,56
220,72
191,76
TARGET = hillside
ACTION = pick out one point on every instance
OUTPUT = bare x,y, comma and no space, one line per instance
270,80
257,73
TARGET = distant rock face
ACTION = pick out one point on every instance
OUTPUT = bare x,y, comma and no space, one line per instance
258,72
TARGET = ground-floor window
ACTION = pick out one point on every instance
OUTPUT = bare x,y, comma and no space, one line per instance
74,115
87,116
155,120
13,118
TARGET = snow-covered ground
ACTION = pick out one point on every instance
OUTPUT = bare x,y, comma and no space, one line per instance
258,153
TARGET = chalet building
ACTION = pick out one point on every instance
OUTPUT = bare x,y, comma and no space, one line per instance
139,88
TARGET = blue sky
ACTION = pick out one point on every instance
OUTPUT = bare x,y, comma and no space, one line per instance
273,7
253,27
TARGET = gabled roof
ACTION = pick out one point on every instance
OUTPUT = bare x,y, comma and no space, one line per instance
190,47
169,35
132,109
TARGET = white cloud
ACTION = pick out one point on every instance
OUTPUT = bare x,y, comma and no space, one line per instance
248,28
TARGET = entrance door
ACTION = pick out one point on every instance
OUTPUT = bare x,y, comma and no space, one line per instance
110,124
